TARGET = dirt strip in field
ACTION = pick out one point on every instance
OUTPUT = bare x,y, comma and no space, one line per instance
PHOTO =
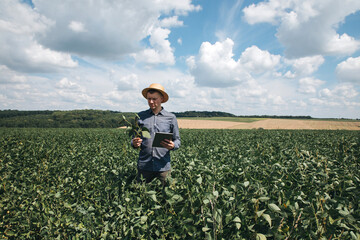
270,124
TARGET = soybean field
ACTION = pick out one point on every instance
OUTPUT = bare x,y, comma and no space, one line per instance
224,184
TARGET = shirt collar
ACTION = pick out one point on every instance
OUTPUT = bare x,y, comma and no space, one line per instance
162,111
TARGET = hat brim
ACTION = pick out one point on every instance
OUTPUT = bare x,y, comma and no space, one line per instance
165,95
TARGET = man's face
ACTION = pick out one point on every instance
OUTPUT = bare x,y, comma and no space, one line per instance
154,100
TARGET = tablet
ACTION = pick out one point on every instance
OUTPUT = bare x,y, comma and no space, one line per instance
159,137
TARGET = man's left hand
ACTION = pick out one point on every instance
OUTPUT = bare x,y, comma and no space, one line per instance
168,144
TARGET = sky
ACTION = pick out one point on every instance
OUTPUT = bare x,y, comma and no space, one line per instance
274,57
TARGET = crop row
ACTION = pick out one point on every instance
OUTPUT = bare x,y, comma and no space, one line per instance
225,184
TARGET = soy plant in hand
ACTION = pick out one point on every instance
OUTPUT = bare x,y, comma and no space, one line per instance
134,129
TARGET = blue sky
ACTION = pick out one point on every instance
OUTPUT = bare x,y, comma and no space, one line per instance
275,57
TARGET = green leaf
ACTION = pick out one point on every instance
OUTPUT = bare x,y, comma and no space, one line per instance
67,205
274,207
260,236
259,213
205,229
177,198
237,220
199,180
353,236
143,219
216,193
146,134
10,233
264,199
153,197
267,218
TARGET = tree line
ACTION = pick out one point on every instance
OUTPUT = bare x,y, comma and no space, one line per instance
92,118
63,119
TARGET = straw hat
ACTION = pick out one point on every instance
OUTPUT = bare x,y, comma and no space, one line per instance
158,87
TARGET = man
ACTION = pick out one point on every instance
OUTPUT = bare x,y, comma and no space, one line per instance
154,162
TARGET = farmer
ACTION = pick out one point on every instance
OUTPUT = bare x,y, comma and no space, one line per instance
154,162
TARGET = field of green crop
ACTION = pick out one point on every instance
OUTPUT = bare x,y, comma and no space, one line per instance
225,184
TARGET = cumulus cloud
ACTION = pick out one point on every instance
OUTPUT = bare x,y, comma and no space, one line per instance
128,82
161,51
107,29
264,12
18,47
43,38
342,91
342,96
8,76
258,61
171,22
309,85
215,67
304,66
77,26
67,84
307,27
349,70
277,100
72,92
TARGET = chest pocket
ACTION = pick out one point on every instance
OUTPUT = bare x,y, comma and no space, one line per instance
164,126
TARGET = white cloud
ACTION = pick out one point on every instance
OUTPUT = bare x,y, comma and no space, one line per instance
309,85
307,27
171,22
251,88
43,38
18,48
161,51
214,66
349,70
304,66
342,91
258,61
77,26
113,28
30,21
40,56
264,12
67,84
128,82
290,75
277,100
75,97
8,76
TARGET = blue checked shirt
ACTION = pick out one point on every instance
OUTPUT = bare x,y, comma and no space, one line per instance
153,158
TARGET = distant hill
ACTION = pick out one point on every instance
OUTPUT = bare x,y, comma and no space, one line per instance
93,118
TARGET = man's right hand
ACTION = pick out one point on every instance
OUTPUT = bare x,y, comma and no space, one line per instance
137,142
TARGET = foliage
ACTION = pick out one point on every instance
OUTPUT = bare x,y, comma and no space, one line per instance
225,184
203,114
134,129
62,119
